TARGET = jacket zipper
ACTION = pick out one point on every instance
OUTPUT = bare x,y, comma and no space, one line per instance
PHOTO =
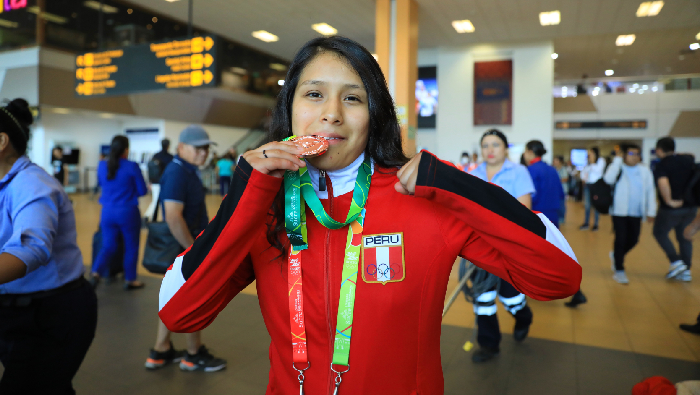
327,269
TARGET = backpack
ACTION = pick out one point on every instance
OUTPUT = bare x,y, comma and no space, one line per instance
602,194
692,190
154,171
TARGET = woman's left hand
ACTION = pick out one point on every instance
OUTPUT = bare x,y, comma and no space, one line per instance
408,174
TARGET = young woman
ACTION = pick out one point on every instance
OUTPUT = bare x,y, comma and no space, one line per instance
591,173
374,278
48,312
515,180
122,184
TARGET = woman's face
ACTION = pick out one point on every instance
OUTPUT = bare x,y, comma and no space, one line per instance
493,150
330,101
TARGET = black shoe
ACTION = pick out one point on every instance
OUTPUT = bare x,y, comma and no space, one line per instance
695,328
594,228
157,360
484,354
131,286
521,333
577,299
203,360
583,227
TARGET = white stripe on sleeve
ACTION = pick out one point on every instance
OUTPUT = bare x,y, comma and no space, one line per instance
555,237
171,283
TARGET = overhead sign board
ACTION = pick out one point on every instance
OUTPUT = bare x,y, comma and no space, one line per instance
173,64
634,124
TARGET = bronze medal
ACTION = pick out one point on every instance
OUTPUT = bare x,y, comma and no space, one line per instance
311,145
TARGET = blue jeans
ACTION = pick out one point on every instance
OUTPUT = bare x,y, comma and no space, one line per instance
116,220
587,205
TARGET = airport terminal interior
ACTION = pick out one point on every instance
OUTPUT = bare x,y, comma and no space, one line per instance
598,85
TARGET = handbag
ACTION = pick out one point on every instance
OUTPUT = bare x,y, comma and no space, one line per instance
161,247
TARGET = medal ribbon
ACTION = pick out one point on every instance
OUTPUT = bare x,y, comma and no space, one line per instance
298,191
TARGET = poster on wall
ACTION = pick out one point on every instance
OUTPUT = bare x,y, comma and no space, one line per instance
493,93
427,97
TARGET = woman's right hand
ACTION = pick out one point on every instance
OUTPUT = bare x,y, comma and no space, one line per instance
275,158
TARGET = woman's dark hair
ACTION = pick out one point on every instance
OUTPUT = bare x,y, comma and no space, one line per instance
596,151
116,151
384,145
497,133
15,119
536,147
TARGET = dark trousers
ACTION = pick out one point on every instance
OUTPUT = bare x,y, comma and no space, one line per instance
224,183
676,219
115,221
627,231
43,344
489,331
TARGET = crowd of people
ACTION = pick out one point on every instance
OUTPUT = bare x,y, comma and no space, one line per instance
502,216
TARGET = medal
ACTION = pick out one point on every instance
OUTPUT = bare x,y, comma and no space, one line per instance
311,145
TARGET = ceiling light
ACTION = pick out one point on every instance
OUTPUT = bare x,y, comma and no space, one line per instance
550,18
625,40
697,36
564,89
464,26
262,35
106,115
595,93
278,66
129,11
59,110
95,5
654,89
325,29
694,46
171,1
609,72
645,86
155,19
47,16
649,8
555,55
632,90
280,82
8,24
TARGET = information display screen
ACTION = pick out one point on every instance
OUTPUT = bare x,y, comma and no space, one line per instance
173,64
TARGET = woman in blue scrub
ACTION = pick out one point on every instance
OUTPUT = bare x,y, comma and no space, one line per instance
122,183
548,190
515,179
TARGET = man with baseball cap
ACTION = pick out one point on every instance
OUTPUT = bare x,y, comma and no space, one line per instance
184,209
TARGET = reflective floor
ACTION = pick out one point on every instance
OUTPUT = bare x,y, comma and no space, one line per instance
622,335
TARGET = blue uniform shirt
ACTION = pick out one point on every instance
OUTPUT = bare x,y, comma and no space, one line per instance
181,183
548,189
37,225
512,177
126,186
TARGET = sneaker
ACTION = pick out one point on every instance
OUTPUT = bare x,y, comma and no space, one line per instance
583,227
157,360
203,360
620,277
520,334
594,228
577,299
684,276
484,354
675,269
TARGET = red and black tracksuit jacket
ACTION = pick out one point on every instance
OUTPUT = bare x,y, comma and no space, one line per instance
395,347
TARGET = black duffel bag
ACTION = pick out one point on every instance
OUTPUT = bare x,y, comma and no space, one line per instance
161,248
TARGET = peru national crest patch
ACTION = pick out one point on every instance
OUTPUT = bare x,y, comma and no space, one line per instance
383,258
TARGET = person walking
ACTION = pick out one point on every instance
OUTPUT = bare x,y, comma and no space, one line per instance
549,192
225,167
673,174
182,198
516,180
561,168
634,198
376,248
48,311
591,173
122,184
156,167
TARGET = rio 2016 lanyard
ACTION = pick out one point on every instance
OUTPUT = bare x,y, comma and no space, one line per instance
298,191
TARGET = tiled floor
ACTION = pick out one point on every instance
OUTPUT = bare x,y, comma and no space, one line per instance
624,333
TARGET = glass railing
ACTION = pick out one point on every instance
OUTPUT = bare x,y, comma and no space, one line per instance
627,85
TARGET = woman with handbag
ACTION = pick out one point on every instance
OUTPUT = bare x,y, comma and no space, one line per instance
122,184
372,245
